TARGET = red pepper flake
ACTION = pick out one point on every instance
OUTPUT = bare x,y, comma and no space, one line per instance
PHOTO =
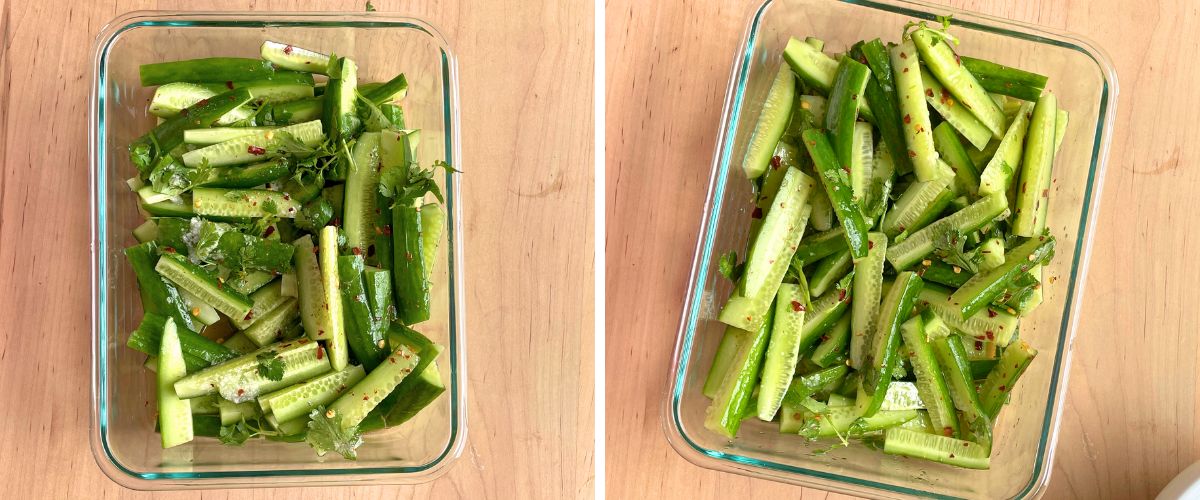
320,352
797,416
951,455
912,154
184,111
229,84
243,391
371,250
928,92
270,230
1022,188
870,245
387,230
408,255
978,345
903,55
947,431
1045,193
841,294
990,336
776,161
287,50
957,60
946,99
392,360
249,315
905,71
1002,388
797,306
991,313
907,119
366,397
356,251
757,213
286,197
169,249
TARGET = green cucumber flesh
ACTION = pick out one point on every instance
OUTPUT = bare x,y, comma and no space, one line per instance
297,401
433,223
146,231
862,160
239,380
243,203
880,356
999,383
215,135
1001,169
314,314
833,344
294,58
868,292
779,236
916,246
362,182
359,400
931,383
205,405
273,325
174,414
203,313
918,132
265,300
828,271
203,285
257,146
943,449
723,358
827,309
791,418
916,203
249,282
783,350
954,113
902,396
331,283
772,121
951,149
952,359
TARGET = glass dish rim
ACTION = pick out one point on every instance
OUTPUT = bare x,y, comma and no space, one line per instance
679,439
98,183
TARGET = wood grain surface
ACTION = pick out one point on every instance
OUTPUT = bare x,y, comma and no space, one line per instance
526,73
1132,416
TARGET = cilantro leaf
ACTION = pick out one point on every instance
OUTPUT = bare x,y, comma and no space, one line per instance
370,6
238,433
270,365
949,246
172,178
729,267
326,434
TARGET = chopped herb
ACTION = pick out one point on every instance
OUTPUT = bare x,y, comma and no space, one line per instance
325,434
270,365
729,266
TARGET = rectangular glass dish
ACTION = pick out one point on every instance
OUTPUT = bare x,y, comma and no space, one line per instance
1026,431
123,440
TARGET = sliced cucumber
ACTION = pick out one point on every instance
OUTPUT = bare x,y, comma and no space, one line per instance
202,285
791,418
433,223
818,246
842,420
171,99
772,121
314,314
868,291
239,380
257,146
231,413
910,92
986,325
832,348
249,282
781,232
783,351
1033,193
205,405
174,414
265,300
902,396
210,136
339,353
364,396
952,359
880,357
942,449
921,199
723,359
862,160
931,384
239,343
243,203
362,183
296,401
272,326
749,313
1000,381
978,292
916,246
203,313
828,271
724,415
955,114
294,58
1002,167
147,231
827,309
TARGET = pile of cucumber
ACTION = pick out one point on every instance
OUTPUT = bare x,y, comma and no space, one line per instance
286,253
898,236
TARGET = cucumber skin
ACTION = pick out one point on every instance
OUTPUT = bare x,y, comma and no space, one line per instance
209,70
979,292
944,64
914,111
254,147
338,113
867,294
1000,381
952,359
726,350
145,150
363,334
391,90
819,246
724,415
1033,195
158,295
998,174
203,382
359,198
199,352
993,326
331,283
412,396
950,149
242,203
837,187
848,87
174,414
929,377
903,255
357,402
882,358
833,344
411,285
884,102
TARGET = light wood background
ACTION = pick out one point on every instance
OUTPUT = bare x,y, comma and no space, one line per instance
526,73
1132,417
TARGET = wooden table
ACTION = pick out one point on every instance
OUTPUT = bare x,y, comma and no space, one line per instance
526,88
1130,422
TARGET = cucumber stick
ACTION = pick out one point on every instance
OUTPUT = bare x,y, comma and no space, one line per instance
827,309
832,348
938,448
916,246
931,384
217,202
726,351
1002,167
999,383
257,146
216,135
1033,193
941,60
724,415
818,246
174,414
783,351
244,378
844,420
978,292
881,356
837,186
364,396
339,352
868,290
273,325
844,97
203,285
265,300
772,121
917,204
294,58
362,183
780,234
828,271
296,401
954,113
914,113
862,161
314,313
952,151
816,69
986,325
952,359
